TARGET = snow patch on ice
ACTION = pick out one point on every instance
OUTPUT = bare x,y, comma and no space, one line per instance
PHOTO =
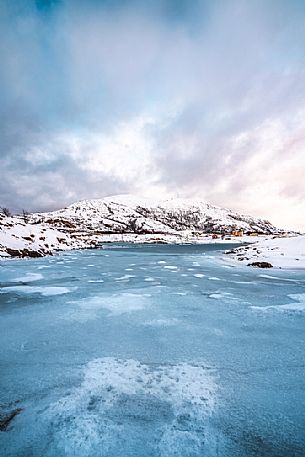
118,304
101,415
278,278
243,282
298,305
125,277
43,290
216,295
162,322
29,277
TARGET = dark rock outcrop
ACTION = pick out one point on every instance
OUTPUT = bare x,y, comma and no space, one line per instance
22,253
260,265
6,418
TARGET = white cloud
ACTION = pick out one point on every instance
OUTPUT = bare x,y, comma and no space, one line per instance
103,100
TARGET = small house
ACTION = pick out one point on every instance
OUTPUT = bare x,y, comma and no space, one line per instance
237,233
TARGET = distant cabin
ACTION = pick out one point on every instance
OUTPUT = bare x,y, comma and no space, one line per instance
237,233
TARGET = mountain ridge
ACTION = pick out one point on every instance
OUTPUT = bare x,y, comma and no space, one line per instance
173,214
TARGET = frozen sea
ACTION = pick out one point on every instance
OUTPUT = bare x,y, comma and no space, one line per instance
151,351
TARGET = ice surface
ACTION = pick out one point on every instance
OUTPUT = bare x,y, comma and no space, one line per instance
177,366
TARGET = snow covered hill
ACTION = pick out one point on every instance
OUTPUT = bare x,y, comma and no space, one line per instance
87,222
129,214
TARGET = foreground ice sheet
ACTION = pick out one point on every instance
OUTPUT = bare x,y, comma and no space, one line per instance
185,356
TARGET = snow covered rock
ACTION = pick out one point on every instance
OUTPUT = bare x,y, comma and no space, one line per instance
281,252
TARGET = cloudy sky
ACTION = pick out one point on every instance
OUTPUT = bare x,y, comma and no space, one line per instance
188,98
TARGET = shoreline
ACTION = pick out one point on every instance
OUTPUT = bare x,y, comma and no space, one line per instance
281,252
36,239
107,244
24,240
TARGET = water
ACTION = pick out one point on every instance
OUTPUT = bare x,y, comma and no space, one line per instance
151,351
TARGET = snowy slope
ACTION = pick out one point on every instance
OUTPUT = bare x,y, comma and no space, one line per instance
17,235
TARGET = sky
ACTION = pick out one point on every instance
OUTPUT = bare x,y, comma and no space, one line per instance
200,99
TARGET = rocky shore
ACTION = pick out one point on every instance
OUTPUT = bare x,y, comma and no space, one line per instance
277,252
